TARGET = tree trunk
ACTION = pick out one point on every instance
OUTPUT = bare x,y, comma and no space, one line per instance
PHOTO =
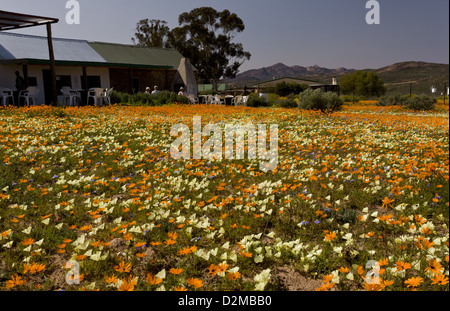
54,98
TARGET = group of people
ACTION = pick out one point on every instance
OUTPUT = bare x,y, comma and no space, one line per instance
156,90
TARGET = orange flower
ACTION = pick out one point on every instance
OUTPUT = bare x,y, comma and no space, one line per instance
15,281
414,281
169,242
176,271
402,265
123,267
86,228
28,242
153,280
440,279
223,267
196,283
128,285
112,279
33,268
5,233
172,235
434,267
330,236
213,269
180,289
387,202
343,270
233,275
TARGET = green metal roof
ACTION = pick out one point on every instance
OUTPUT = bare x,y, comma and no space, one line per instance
138,56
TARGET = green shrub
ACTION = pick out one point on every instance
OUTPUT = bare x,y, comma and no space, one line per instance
254,100
317,100
350,99
160,99
392,100
288,102
273,98
421,102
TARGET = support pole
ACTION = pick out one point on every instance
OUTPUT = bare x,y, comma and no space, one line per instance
25,74
54,98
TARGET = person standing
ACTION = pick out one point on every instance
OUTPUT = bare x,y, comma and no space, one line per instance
181,92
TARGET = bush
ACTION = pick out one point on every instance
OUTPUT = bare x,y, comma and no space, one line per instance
350,99
317,100
421,102
254,100
273,98
288,102
160,99
392,100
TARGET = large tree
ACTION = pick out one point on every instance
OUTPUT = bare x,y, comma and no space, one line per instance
362,83
152,33
206,36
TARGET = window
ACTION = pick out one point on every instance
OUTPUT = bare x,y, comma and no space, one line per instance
92,82
32,81
62,81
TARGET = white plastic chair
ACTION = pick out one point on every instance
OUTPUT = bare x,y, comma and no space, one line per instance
106,96
244,100
192,99
6,94
210,99
96,94
218,100
239,100
229,98
30,95
70,97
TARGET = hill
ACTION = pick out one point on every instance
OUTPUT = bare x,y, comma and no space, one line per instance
397,77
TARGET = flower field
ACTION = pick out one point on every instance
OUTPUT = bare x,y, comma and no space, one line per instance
90,199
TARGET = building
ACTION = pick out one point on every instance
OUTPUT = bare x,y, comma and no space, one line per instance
333,87
81,65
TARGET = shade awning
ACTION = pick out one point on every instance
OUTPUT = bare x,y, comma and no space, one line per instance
12,20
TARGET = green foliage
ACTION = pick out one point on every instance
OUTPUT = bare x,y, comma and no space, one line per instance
350,99
416,102
288,102
421,102
159,99
392,100
205,36
362,83
286,88
254,100
317,100
151,33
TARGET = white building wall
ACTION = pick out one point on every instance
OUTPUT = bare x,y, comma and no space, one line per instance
8,77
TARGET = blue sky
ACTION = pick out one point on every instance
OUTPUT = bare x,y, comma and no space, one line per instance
329,33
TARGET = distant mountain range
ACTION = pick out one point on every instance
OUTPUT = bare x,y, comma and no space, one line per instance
397,77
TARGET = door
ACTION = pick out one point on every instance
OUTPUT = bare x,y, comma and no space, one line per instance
61,81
